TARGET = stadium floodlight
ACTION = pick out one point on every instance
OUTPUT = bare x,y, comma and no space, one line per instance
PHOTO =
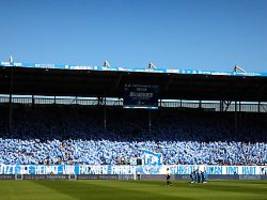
239,69
151,66
106,64
10,60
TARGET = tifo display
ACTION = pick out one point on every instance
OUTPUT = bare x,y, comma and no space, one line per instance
56,135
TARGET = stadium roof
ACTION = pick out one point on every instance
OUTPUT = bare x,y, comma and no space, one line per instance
135,69
74,80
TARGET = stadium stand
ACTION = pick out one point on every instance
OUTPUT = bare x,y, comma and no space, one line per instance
43,134
31,133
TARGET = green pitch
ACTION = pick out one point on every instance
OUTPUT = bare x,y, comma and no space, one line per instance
117,190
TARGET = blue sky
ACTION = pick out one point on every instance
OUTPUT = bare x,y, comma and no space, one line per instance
215,34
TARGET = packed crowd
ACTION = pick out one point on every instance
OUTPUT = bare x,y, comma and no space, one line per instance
54,135
14,151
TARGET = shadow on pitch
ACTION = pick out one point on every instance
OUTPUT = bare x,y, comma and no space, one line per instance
84,190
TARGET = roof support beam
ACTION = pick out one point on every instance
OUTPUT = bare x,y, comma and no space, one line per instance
116,85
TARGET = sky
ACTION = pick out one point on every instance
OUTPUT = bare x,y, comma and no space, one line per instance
197,34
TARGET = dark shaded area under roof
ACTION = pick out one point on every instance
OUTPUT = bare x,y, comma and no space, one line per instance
56,82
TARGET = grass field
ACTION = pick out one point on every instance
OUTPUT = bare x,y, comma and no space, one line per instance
70,190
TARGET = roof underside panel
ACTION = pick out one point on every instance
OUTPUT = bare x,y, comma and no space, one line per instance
111,84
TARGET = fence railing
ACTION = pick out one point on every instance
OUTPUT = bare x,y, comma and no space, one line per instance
177,103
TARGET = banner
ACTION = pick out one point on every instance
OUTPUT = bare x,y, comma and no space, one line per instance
151,158
127,169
